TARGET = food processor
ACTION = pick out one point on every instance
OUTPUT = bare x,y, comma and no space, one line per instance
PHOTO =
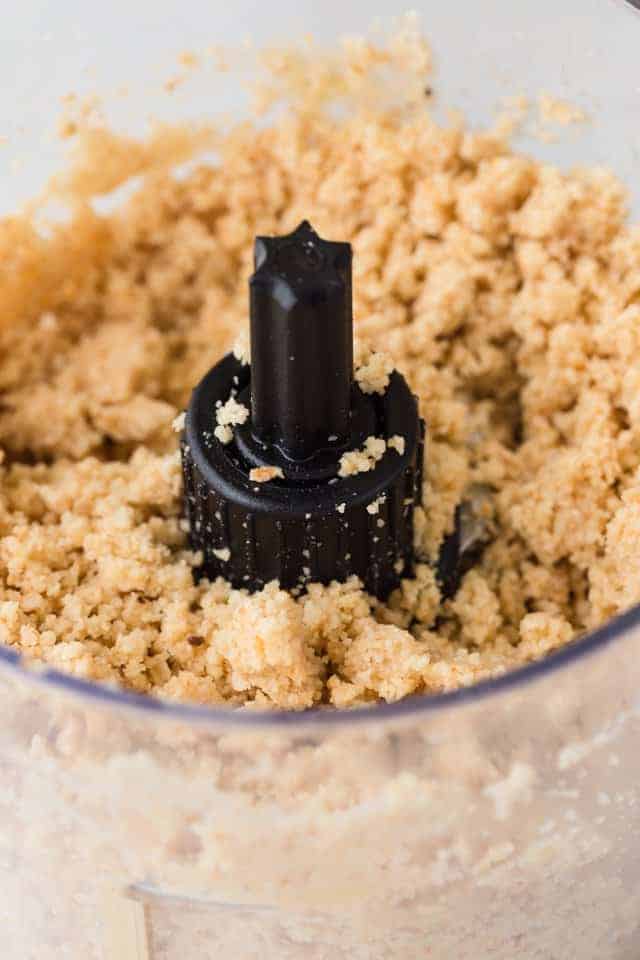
493,822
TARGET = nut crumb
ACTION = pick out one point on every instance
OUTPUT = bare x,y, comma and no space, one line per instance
177,425
553,110
397,443
223,433
374,506
228,415
361,461
222,553
372,370
242,348
264,474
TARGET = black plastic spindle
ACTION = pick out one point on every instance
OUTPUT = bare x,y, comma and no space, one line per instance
301,342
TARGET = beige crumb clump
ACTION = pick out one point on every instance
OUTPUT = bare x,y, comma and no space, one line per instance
264,474
397,443
372,369
77,112
505,290
223,433
554,110
229,415
553,114
363,460
374,506
177,424
242,348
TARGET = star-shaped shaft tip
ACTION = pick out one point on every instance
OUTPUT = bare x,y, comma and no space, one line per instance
300,253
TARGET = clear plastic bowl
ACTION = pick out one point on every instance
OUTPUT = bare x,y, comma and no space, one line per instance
498,822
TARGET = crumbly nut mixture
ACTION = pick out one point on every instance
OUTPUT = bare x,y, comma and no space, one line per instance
506,291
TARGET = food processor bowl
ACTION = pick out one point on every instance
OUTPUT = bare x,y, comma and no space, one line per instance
494,822
498,821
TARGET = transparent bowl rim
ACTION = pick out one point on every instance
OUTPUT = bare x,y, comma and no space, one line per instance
321,718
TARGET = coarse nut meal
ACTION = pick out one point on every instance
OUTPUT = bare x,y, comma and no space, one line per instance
506,291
